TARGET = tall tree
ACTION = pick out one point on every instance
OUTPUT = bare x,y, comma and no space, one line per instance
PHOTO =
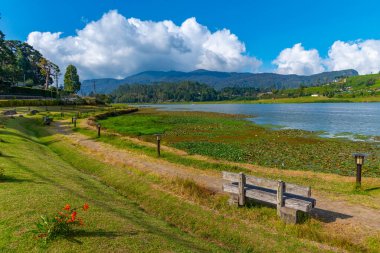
71,79
7,62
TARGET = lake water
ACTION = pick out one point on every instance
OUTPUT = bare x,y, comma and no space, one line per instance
347,120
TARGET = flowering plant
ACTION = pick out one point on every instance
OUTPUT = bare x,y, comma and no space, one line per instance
61,224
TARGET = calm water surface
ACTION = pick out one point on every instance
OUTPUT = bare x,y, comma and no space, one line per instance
335,119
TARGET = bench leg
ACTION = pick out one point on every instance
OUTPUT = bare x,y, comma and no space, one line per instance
289,215
233,200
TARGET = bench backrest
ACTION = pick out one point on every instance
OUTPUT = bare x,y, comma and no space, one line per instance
269,184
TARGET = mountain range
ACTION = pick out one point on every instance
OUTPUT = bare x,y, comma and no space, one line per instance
217,80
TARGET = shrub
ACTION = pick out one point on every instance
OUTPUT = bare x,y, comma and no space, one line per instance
49,228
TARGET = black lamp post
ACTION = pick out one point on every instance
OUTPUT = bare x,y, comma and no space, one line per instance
359,160
158,144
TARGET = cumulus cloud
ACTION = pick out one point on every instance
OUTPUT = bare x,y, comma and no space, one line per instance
115,46
362,55
298,60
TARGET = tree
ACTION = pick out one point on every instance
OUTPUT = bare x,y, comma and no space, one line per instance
7,62
71,79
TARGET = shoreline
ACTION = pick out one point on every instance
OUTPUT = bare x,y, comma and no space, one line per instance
298,100
345,135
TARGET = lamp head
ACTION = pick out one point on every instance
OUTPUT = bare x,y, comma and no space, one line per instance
359,158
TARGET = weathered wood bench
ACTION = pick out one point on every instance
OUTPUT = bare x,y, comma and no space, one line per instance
289,198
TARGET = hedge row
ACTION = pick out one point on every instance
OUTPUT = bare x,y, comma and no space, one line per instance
92,120
26,91
28,102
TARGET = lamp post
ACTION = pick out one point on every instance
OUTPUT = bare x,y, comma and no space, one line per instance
98,126
158,144
359,160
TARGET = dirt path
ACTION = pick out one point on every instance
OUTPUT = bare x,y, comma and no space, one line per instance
333,212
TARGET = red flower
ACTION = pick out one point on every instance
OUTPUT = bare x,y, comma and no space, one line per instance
85,207
67,207
73,215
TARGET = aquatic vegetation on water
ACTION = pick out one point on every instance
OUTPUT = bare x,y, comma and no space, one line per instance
232,138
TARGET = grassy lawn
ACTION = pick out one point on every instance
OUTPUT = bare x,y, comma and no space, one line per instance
232,138
39,181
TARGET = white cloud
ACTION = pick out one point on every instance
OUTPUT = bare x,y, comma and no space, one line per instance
297,60
115,46
363,56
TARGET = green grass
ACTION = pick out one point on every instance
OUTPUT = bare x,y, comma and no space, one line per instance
234,139
127,215
42,174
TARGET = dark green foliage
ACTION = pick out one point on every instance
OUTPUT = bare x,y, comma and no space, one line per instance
164,92
71,79
28,102
179,92
21,63
26,91
7,64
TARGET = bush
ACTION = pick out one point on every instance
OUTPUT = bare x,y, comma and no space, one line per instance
91,121
27,91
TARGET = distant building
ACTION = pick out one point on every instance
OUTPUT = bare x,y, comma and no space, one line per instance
315,95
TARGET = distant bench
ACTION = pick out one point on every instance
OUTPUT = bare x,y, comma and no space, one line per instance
47,120
289,198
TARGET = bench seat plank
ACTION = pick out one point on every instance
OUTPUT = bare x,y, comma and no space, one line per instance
268,183
300,203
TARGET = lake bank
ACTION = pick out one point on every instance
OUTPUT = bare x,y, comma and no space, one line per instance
349,121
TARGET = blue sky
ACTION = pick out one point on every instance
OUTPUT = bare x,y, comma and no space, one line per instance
265,27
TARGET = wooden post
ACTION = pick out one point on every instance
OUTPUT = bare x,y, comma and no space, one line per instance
98,127
241,186
358,175
158,145
75,122
72,120
280,196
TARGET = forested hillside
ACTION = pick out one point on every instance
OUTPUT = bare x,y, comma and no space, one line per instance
218,80
179,92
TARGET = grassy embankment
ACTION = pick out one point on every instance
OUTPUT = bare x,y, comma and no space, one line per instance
43,172
359,89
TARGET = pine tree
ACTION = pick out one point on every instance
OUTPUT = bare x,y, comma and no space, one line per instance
71,79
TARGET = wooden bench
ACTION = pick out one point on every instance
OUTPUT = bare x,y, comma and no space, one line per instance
289,198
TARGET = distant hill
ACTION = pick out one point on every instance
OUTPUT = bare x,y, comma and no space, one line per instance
218,80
